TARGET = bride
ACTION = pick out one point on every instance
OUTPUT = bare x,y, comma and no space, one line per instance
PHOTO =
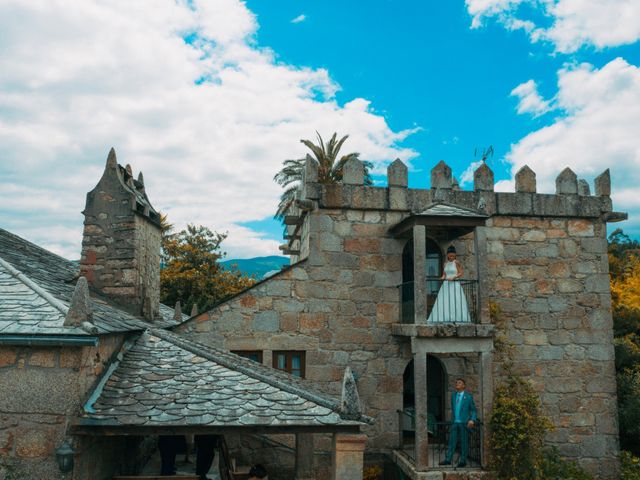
451,304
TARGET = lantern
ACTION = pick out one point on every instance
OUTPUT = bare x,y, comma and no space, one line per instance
64,457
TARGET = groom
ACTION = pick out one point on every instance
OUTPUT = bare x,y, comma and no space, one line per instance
463,411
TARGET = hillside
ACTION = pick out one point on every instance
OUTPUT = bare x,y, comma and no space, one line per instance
257,266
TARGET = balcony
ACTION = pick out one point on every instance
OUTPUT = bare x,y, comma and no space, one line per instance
452,310
458,301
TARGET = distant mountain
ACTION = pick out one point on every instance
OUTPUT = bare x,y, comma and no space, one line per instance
258,266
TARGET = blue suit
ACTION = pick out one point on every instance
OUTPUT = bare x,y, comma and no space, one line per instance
461,414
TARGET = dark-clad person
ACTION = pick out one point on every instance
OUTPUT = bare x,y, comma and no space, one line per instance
464,416
258,472
205,453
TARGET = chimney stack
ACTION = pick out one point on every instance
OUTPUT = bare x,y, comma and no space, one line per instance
121,241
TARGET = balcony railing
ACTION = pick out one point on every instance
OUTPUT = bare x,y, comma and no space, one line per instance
439,434
448,301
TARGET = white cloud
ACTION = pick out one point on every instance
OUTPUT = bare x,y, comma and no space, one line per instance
467,176
529,100
299,19
209,120
598,130
574,23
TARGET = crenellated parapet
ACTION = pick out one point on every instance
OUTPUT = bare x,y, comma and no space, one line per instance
572,197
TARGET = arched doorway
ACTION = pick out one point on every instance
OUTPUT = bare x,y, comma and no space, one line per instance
436,393
433,265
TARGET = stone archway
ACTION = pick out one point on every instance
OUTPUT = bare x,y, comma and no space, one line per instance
436,393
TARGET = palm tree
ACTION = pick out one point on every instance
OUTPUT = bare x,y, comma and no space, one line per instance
329,169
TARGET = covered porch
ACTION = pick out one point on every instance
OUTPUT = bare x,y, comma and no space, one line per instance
425,420
165,386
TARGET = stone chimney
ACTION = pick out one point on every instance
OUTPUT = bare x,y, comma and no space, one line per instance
121,241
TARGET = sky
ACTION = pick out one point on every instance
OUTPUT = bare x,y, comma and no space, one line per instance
208,97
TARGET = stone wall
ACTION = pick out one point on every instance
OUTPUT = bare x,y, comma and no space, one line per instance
337,305
42,389
549,277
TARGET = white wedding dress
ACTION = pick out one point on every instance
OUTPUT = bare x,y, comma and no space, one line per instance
451,304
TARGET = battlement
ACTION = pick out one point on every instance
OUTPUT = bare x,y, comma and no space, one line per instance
572,197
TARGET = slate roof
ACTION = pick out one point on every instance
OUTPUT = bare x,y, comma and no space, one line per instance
165,380
35,290
449,210
24,309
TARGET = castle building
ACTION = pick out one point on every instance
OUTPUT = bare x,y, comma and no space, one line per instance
90,374
362,289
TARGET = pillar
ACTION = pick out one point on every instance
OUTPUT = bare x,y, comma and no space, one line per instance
419,274
420,392
348,456
486,387
304,456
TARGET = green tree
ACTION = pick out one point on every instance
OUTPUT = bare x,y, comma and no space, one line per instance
330,169
192,272
624,268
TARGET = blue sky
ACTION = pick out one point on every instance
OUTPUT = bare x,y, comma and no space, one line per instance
209,119
420,64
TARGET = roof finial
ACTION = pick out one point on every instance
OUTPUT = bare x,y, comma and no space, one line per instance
177,312
80,307
194,310
350,408
112,161
140,178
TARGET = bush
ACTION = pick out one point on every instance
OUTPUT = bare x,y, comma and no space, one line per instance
554,467
630,466
629,408
372,473
518,428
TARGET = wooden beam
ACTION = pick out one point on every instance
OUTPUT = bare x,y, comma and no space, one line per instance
293,220
156,477
127,430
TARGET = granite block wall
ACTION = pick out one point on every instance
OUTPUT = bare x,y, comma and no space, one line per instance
42,390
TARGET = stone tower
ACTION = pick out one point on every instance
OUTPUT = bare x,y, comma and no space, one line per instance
122,240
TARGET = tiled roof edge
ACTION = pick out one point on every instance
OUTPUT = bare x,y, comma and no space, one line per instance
57,304
42,249
448,204
97,391
204,351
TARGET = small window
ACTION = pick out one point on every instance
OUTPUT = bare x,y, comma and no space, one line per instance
290,361
255,355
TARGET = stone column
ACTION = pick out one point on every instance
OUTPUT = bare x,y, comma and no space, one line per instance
482,274
486,392
420,405
304,456
419,275
348,456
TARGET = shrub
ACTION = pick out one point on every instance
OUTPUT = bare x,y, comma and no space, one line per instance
518,428
372,473
554,467
630,466
629,408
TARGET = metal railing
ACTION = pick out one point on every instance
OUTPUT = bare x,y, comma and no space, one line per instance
448,301
439,434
